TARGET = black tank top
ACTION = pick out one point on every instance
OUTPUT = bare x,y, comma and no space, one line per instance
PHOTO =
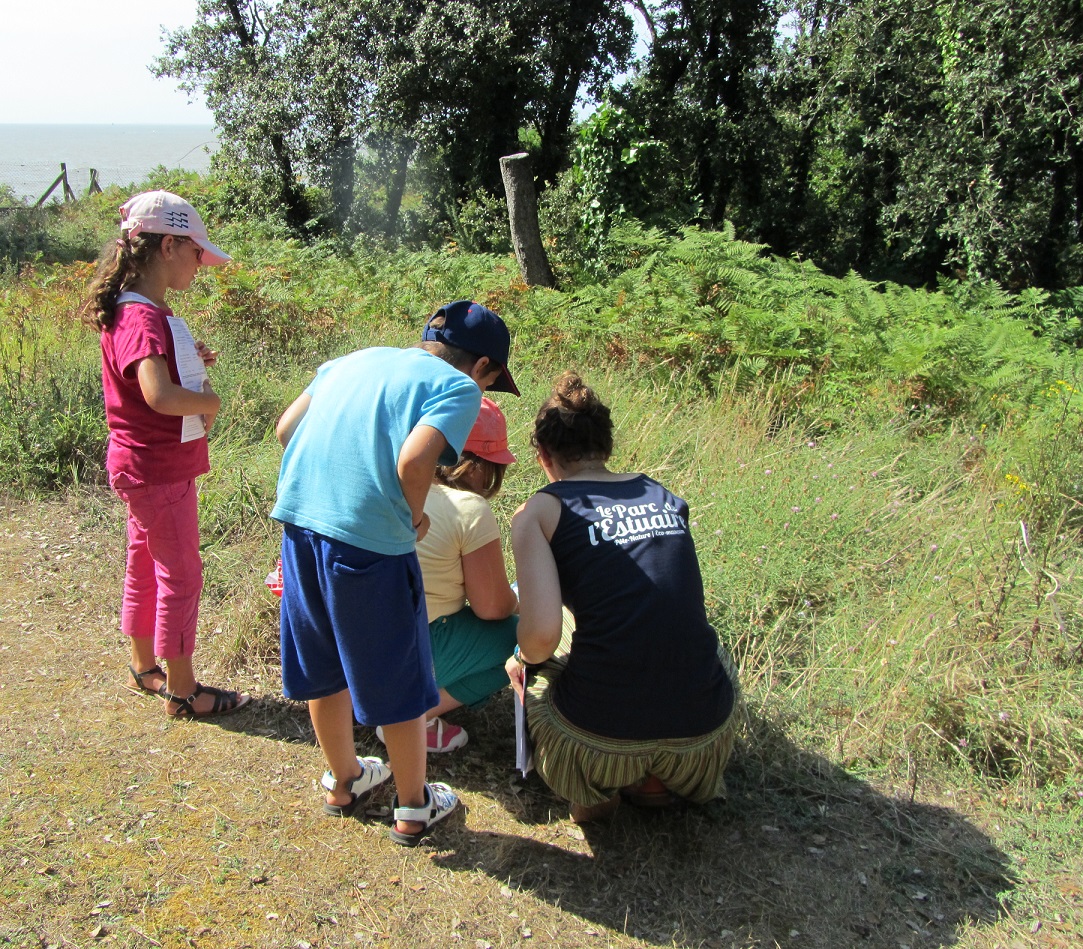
644,660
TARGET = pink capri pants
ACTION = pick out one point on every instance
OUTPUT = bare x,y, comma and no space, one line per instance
164,575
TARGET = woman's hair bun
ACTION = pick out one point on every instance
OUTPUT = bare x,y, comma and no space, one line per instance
573,393
573,423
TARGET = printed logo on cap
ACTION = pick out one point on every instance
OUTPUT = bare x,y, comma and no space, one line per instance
178,219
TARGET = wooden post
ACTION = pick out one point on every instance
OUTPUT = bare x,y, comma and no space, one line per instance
93,187
59,178
62,178
69,195
523,219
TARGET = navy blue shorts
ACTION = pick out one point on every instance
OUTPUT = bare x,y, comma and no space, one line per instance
353,619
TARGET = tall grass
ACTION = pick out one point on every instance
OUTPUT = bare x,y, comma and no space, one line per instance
52,431
885,592
890,548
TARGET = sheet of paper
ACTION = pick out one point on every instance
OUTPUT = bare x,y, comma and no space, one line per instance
524,756
192,374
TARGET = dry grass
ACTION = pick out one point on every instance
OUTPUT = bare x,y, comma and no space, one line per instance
122,828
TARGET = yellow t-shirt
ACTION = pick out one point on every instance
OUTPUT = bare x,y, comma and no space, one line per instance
460,523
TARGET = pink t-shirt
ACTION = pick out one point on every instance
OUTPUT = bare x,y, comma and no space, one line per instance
144,444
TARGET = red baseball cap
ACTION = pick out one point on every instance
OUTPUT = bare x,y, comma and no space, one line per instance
489,437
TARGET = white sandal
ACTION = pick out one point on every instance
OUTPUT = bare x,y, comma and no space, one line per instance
373,773
440,801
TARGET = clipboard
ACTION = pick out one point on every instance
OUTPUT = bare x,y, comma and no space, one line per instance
524,754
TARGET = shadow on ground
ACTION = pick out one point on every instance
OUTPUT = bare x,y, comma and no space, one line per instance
801,854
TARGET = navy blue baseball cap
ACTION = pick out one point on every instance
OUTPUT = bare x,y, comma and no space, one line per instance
478,330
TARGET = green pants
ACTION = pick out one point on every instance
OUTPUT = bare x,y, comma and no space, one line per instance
468,654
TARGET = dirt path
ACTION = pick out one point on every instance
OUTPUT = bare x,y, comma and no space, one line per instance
120,827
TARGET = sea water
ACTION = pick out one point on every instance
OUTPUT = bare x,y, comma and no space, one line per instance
31,155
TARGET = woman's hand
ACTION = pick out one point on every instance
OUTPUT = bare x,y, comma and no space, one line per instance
516,673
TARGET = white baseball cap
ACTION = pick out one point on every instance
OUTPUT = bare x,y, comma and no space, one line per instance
162,212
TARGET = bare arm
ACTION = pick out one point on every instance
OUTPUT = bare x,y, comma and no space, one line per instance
536,570
165,396
416,466
486,580
291,418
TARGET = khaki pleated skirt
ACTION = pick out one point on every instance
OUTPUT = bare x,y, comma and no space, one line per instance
585,768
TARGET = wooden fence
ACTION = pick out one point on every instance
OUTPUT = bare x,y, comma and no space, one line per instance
62,181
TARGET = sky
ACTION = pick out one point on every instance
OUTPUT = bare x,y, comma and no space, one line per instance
87,61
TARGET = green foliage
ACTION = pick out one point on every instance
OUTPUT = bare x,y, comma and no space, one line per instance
624,173
1062,318
571,249
77,231
299,89
22,234
701,93
480,224
911,142
1047,482
707,301
55,232
52,431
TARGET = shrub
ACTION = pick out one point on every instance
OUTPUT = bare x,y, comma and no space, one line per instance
22,233
481,225
52,431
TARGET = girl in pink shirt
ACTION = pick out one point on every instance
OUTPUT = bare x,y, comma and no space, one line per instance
159,406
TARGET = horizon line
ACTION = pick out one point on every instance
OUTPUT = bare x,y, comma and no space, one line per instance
155,122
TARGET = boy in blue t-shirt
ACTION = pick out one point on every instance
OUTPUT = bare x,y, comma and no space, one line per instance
361,445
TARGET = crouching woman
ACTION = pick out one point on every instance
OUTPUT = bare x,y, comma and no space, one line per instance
642,703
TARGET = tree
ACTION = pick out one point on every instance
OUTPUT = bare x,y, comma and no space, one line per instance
853,89
702,94
276,78
298,86
939,138
1008,160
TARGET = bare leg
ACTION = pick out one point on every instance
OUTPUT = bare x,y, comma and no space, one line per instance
143,658
332,717
406,752
585,813
181,682
447,703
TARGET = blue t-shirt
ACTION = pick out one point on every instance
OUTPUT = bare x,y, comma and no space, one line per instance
644,660
339,472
